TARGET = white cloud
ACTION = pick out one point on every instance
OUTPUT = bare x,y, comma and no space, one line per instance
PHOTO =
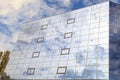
14,10
27,9
67,3
15,36
5,43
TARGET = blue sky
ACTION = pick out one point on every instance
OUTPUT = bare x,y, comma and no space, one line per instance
14,12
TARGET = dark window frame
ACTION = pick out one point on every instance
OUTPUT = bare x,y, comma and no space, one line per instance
32,72
42,26
68,21
65,49
61,72
35,56
71,34
41,40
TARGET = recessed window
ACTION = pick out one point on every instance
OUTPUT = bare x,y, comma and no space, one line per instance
30,71
44,26
35,54
65,51
68,35
61,70
72,20
41,39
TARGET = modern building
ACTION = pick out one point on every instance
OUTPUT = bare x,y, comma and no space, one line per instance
81,44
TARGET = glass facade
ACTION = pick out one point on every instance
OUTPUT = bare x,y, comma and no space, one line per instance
114,49
74,45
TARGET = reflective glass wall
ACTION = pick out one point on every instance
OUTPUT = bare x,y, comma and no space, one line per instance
114,41
74,45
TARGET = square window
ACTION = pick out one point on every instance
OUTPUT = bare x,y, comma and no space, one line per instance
65,51
30,71
44,26
41,39
35,54
68,35
72,20
61,70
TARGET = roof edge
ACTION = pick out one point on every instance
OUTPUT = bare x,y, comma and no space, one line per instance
29,21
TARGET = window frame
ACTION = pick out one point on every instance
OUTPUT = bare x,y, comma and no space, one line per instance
40,40
42,26
71,34
65,67
37,55
65,49
69,21
30,71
